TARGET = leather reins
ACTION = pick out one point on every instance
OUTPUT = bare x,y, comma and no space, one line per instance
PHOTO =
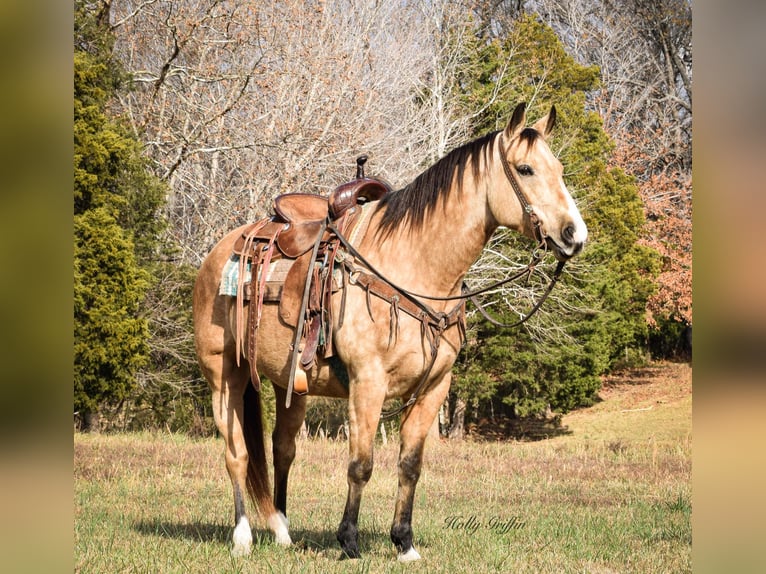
537,257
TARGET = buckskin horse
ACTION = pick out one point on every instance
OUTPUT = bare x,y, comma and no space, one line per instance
390,316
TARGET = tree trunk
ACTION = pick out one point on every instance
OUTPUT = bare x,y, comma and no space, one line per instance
456,430
91,422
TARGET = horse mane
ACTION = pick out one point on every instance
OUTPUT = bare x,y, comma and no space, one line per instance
410,205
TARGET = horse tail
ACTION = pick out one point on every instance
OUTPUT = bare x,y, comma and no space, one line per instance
257,472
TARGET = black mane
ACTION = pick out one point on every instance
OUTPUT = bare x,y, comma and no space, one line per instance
410,205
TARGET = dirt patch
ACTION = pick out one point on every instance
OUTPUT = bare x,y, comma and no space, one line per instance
660,383
652,388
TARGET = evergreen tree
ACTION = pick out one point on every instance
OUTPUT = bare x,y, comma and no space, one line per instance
601,315
116,226
110,342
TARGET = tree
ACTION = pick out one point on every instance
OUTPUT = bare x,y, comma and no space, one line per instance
644,51
115,228
238,102
170,390
110,342
598,314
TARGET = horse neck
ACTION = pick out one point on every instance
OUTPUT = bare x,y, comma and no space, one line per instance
434,258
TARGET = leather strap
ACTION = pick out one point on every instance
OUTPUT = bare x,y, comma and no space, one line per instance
296,351
525,205
551,285
259,271
250,241
433,323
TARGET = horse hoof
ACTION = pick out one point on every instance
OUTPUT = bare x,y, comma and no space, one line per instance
410,556
350,555
278,524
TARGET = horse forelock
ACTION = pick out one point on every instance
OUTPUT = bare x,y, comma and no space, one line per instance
529,136
409,206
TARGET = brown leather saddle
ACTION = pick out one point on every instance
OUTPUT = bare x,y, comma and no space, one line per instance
297,231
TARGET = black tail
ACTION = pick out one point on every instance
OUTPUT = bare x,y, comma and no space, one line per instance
258,486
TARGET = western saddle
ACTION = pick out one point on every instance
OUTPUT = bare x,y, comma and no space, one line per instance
297,232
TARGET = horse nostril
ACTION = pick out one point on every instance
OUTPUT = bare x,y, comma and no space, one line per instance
568,234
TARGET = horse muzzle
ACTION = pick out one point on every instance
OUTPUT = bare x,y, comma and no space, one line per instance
570,243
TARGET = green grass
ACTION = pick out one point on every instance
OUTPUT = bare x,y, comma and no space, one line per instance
618,501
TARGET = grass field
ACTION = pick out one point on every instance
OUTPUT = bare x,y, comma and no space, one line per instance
613,495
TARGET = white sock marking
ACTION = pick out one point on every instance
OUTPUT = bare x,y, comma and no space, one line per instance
242,538
278,524
410,556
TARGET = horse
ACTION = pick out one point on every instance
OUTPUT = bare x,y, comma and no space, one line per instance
423,237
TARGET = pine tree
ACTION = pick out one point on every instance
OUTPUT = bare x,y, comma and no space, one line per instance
601,314
115,226
110,338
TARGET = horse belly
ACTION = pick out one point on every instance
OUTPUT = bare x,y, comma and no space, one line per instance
274,342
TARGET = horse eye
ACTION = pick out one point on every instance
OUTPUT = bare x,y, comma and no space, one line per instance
524,169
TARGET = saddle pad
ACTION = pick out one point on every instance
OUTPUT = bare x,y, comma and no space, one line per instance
230,275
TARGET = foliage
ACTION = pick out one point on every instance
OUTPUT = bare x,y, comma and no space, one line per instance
326,417
109,169
233,103
171,392
116,230
555,361
644,48
110,341
666,196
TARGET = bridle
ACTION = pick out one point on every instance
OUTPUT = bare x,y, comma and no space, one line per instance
540,236
434,323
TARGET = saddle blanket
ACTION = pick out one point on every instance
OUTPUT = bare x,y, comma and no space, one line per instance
230,275
276,274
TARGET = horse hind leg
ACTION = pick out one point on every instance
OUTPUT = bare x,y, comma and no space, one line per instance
236,404
237,412
288,423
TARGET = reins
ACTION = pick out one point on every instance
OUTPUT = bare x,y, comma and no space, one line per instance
464,295
434,323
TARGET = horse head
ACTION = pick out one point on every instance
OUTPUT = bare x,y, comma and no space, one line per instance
534,199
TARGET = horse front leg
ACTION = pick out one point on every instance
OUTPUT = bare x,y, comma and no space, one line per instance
365,403
414,430
288,424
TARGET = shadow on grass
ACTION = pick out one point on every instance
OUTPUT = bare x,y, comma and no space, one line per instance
324,542
195,531
528,429
304,540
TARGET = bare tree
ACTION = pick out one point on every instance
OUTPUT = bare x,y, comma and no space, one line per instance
240,101
237,102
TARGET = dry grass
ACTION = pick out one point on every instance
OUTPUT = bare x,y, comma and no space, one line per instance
612,496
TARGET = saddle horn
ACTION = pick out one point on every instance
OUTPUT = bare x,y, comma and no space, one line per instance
360,161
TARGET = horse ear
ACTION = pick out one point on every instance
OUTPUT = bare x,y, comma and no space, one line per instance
516,124
545,125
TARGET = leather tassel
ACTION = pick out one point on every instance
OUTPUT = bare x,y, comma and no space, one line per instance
393,330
